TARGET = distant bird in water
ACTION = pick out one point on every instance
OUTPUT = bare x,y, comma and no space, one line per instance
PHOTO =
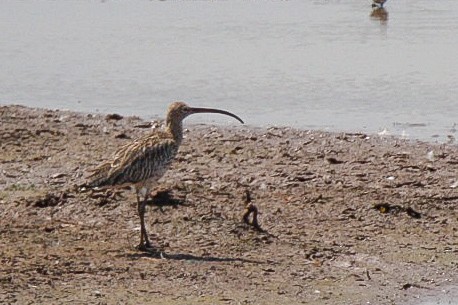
378,3
144,161
379,13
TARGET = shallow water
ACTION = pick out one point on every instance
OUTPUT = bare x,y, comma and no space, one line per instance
323,64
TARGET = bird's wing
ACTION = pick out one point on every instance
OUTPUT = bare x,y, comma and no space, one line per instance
144,158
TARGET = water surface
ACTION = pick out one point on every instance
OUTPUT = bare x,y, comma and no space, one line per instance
324,64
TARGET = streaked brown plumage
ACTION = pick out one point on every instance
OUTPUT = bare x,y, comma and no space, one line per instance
145,160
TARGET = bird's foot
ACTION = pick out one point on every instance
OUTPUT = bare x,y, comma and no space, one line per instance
152,251
145,247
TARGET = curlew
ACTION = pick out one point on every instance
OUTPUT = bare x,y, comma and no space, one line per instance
142,162
378,3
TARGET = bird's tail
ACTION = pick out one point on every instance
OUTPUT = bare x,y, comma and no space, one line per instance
99,176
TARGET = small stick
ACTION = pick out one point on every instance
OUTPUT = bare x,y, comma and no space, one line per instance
251,208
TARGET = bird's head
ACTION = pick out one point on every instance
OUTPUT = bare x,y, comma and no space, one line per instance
178,111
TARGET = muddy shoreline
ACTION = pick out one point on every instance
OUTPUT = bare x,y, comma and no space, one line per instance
348,218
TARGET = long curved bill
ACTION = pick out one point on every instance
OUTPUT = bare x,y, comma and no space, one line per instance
211,110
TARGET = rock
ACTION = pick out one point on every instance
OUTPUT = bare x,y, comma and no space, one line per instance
114,117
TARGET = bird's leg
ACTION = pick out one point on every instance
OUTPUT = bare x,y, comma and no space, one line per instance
145,235
141,214
138,196
141,207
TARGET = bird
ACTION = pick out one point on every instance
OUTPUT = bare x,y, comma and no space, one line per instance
379,13
143,161
378,3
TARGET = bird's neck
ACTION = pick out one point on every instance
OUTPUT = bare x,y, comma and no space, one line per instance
176,129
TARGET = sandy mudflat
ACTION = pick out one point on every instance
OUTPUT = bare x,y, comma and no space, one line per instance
348,218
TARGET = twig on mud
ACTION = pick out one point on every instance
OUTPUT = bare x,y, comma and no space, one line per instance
251,209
